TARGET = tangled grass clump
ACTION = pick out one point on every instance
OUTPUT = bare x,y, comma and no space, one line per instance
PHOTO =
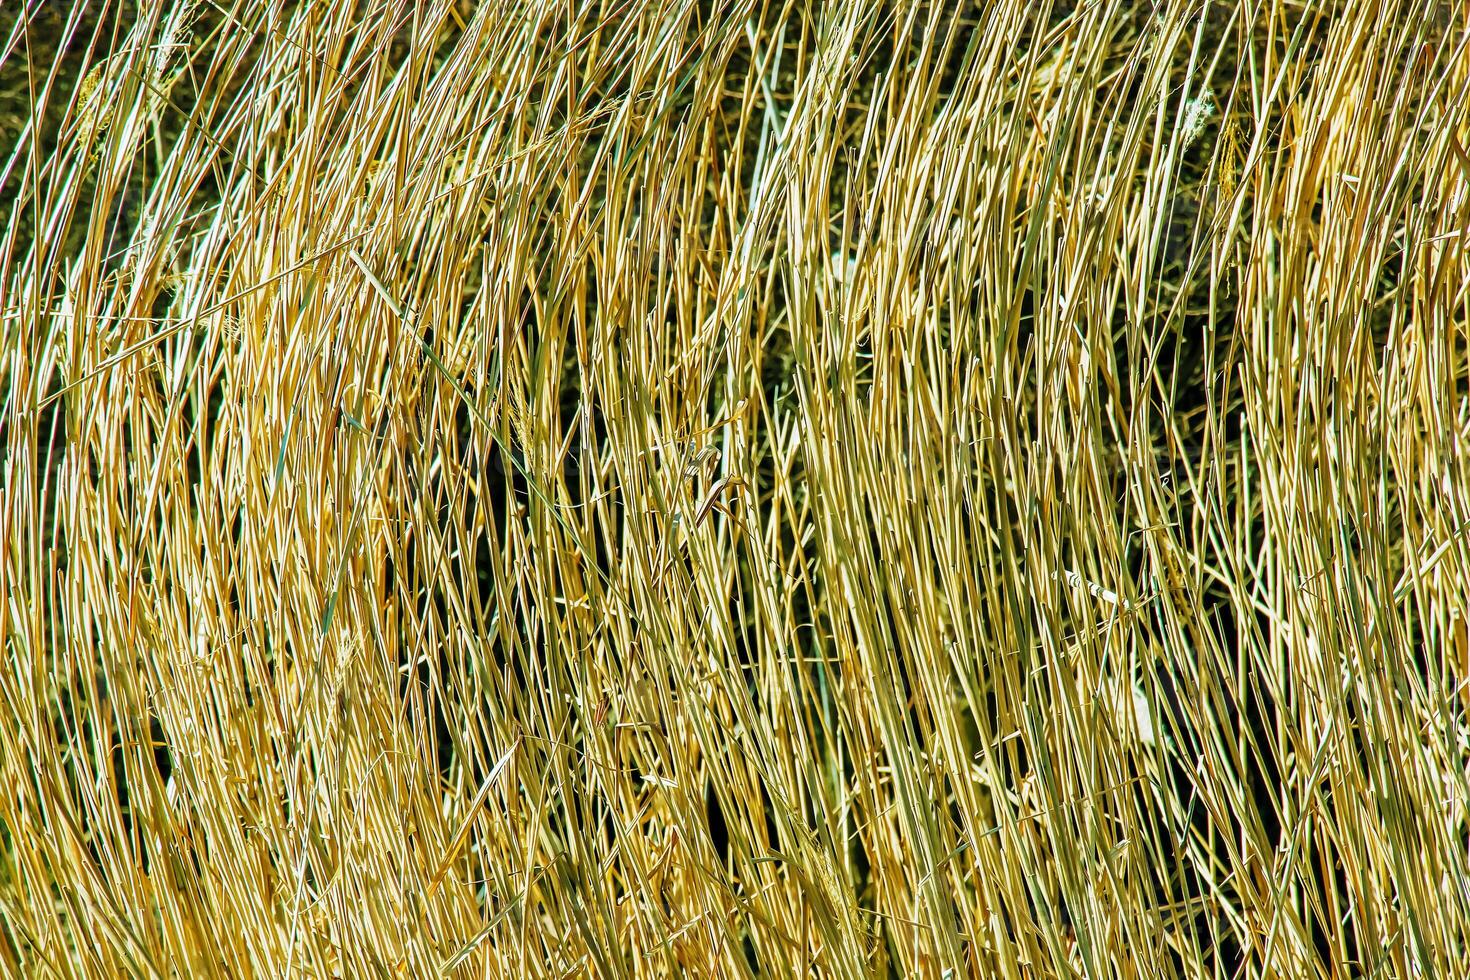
738,488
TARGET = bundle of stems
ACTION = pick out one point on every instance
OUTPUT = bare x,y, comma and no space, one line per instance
735,488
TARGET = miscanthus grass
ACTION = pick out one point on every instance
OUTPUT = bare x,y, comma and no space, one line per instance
738,488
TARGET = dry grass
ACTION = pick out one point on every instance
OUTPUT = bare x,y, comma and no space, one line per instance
647,487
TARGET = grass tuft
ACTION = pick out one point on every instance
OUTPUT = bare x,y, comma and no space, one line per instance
735,488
